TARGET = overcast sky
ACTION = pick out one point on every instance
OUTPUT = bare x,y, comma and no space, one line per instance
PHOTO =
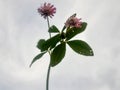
21,27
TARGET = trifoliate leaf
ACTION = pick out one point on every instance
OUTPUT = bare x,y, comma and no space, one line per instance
37,57
58,54
74,31
51,43
53,29
40,44
81,47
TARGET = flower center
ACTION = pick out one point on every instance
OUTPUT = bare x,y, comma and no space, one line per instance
47,12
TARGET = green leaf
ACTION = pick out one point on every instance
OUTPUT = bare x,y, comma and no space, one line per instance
74,31
37,57
51,43
58,54
53,29
81,47
40,44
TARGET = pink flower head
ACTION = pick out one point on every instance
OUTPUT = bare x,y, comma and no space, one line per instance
47,10
73,21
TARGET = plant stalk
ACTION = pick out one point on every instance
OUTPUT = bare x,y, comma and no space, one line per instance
48,26
48,75
49,67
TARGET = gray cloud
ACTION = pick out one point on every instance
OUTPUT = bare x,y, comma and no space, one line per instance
21,27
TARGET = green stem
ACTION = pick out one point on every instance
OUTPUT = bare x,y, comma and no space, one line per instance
49,67
48,26
48,74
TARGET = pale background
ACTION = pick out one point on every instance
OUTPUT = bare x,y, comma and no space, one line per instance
21,27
